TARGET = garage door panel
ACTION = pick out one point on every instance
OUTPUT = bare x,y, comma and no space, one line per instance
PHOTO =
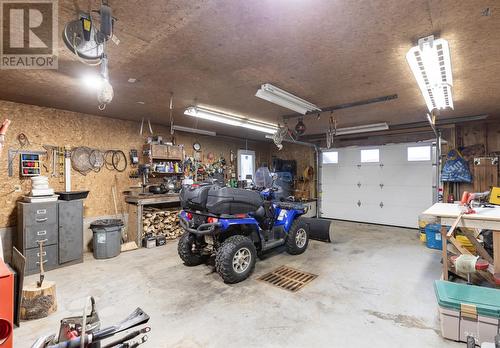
370,174
342,191
342,176
405,192
401,193
408,175
348,210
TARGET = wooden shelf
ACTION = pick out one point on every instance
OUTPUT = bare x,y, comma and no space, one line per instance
173,173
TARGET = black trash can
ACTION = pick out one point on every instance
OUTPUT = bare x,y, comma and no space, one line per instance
107,236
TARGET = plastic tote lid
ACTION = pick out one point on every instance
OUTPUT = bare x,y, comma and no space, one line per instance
106,223
452,296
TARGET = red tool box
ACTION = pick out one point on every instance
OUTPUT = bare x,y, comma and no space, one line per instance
6,306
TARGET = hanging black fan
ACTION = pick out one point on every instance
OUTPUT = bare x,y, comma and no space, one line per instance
81,37
84,39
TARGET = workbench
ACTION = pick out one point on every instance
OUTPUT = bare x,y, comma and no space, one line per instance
136,203
484,218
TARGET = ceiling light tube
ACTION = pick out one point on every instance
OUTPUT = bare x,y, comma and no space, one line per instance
430,63
193,130
363,129
260,128
287,100
229,119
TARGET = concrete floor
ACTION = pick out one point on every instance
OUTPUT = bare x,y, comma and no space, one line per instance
375,289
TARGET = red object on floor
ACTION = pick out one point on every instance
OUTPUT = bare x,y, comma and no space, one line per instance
6,306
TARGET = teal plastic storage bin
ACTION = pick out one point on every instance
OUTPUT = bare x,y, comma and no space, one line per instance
468,310
433,236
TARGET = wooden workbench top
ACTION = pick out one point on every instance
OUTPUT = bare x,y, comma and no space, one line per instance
451,210
145,199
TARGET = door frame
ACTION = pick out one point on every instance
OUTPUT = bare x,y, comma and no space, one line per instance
245,152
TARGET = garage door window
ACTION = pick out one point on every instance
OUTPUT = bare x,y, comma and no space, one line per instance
419,153
330,157
370,156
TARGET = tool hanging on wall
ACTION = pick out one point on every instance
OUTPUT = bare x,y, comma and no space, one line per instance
61,163
171,108
67,169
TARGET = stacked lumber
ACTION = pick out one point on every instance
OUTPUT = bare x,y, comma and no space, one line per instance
157,222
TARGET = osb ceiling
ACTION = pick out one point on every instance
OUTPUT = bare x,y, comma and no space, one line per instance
218,53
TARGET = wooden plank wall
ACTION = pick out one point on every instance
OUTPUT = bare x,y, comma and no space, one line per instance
478,139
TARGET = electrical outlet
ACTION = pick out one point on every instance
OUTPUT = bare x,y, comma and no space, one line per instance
17,188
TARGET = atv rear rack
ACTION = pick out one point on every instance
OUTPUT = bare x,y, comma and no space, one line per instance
201,230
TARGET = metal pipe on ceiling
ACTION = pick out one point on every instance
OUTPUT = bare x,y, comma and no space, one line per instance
345,106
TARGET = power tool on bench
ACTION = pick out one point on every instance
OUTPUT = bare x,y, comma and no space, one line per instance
471,200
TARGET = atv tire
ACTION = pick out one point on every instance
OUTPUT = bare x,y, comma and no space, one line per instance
298,238
235,259
186,253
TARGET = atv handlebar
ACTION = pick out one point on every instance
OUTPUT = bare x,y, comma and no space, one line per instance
201,230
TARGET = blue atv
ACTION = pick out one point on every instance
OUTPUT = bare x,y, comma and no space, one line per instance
237,225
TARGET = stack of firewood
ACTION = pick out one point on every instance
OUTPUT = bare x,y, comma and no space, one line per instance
158,222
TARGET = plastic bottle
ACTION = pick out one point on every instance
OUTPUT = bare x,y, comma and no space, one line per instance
440,195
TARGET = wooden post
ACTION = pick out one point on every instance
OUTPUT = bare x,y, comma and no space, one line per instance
134,220
444,233
496,251
479,248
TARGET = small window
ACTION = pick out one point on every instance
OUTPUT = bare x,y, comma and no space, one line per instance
330,157
370,156
419,153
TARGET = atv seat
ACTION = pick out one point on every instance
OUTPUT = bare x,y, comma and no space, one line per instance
264,215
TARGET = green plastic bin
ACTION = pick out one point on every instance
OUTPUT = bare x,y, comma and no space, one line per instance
468,310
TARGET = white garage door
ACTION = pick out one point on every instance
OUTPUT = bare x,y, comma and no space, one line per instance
388,185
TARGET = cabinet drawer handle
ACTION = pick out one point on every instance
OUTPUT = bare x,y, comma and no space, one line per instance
44,261
43,254
41,241
41,212
41,220
41,233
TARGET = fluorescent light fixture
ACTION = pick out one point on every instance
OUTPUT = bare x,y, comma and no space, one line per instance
232,120
287,100
194,130
430,62
375,127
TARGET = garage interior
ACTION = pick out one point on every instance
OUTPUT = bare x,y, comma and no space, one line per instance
276,173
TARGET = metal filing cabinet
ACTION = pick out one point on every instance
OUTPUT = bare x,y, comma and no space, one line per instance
59,224
70,231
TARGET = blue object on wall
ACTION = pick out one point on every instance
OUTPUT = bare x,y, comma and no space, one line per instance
456,168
